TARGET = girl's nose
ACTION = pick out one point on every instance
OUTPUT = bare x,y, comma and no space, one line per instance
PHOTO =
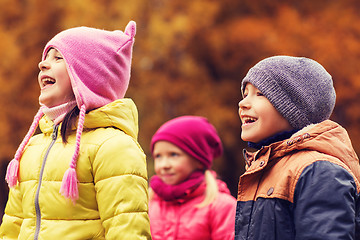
43,65
165,163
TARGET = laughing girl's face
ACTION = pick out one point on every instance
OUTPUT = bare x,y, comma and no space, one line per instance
54,80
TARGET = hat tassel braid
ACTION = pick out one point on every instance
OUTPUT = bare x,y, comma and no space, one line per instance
69,187
12,173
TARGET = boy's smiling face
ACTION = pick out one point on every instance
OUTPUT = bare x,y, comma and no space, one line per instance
259,118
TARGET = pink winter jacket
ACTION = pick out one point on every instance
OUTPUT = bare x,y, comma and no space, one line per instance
180,219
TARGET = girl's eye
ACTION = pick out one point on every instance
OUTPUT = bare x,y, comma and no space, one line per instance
157,156
259,94
174,154
58,58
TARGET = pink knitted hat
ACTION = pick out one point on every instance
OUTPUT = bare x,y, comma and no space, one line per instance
193,134
99,64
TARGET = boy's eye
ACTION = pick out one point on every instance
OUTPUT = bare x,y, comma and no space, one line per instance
245,94
259,94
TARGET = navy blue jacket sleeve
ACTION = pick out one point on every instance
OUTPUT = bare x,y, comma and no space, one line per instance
326,203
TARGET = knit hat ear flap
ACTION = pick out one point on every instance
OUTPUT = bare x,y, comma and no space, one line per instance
12,173
69,188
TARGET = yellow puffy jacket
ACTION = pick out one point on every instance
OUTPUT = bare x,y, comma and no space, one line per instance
111,169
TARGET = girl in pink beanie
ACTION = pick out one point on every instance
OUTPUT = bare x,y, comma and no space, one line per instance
84,176
186,199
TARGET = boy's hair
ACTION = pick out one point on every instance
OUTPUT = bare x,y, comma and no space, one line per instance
299,88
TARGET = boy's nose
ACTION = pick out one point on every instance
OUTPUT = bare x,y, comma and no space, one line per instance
243,104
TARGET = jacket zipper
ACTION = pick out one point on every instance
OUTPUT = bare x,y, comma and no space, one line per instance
37,206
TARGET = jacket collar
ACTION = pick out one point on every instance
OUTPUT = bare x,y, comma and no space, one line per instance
279,148
121,114
326,137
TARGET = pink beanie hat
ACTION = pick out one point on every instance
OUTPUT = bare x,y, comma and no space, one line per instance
194,135
99,64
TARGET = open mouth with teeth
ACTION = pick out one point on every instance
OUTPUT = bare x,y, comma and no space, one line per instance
48,81
248,120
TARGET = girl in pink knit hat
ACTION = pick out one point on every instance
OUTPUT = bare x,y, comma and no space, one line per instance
84,176
186,199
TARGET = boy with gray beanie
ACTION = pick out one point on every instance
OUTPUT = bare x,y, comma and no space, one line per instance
302,182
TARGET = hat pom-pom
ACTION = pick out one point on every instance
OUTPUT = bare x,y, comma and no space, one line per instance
69,187
12,173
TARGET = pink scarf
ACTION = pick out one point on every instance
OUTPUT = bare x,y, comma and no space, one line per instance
173,192
57,114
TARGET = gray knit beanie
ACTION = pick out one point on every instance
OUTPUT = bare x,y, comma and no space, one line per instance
299,88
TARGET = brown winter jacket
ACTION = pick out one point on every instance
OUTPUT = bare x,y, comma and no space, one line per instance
301,188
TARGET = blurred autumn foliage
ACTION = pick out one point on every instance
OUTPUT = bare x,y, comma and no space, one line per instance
189,58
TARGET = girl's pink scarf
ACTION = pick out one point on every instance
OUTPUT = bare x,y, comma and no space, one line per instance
58,113
173,192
